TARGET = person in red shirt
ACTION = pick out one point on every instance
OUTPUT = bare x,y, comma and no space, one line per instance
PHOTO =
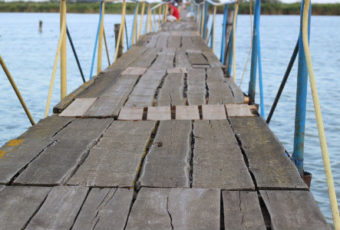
174,11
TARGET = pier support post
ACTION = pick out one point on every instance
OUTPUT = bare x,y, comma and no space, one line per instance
228,51
120,47
100,40
63,58
301,99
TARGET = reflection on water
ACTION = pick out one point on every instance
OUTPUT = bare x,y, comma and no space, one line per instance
30,54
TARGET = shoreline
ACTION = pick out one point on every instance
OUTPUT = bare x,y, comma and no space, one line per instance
266,8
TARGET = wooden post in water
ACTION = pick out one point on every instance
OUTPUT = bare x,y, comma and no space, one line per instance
227,37
120,47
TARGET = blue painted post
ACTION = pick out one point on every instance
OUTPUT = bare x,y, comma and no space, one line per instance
96,41
211,36
254,52
260,73
224,31
201,18
133,25
205,20
301,98
230,55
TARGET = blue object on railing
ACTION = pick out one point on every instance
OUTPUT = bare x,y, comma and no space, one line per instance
133,25
301,99
224,31
96,41
254,53
260,75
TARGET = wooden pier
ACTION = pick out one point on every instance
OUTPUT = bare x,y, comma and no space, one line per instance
161,139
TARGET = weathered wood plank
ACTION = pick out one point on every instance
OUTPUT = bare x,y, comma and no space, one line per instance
236,91
78,107
166,165
134,71
174,42
18,205
301,212
147,58
172,91
33,142
238,110
177,70
197,59
181,59
159,113
131,114
242,211
156,209
163,62
213,112
58,162
104,209
196,92
115,160
219,91
187,113
218,161
54,214
266,156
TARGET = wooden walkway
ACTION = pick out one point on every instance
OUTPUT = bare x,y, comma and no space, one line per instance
160,140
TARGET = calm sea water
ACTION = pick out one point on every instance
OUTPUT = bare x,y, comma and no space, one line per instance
29,56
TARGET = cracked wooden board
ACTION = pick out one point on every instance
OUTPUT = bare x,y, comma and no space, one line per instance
238,110
131,113
134,71
159,113
18,205
213,112
104,208
187,113
78,107
54,214
167,163
196,87
301,203
219,90
266,156
58,161
35,140
175,208
172,91
242,211
181,59
116,158
218,160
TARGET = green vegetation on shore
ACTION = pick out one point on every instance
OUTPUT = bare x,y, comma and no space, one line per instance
267,8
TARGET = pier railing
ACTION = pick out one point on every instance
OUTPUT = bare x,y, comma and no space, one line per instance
156,14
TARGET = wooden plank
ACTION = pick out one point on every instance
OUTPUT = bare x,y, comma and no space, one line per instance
55,214
177,70
218,161
115,160
181,59
236,91
78,107
187,113
179,208
212,59
159,113
196,92
213,112
163,62
18,205
293,210
16,157
242,211
172,91
266,156
174,42
219,91
58,162
197,59
147,58
187,42
131,114
105,208
162,41
238,110
134,71
166,165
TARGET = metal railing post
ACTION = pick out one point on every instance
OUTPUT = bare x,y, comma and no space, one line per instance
63,58
301,99
224,33
205,20
100,39
254,53
141,21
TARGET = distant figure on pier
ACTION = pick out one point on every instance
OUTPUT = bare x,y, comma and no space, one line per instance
40,26
173,11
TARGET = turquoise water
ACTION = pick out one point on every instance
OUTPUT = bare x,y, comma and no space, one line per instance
29,56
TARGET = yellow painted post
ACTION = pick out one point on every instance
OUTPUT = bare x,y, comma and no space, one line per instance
318,115
135,26
234,41
121,30
16,90
213,35
100,40
159,16
141,21
148,20
63,58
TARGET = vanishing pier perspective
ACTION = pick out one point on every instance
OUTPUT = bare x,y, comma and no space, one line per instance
161,139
